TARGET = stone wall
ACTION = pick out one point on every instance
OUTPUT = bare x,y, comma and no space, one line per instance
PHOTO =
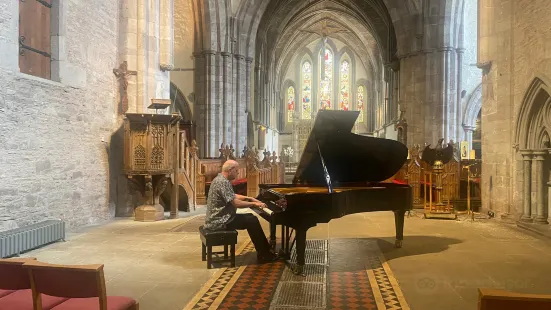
53,163
183,49
514,37
471,75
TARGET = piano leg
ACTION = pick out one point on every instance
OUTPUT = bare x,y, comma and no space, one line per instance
273,229
282,252
399,222
300,237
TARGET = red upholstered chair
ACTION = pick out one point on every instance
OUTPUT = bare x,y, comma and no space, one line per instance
83,285
15,287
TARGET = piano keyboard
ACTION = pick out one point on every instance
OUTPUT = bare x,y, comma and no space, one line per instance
266,210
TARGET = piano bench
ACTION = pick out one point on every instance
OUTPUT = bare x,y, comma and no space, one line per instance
218,238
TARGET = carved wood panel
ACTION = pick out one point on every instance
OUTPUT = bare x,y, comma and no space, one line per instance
303,128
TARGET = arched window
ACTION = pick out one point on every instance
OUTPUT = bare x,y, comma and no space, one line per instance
344,100
361,103
290,103
306,77
326,73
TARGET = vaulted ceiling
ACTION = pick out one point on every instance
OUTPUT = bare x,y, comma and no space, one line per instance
272,31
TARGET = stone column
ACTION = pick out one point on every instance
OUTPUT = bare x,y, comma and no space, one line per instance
218,100
459,87
245,105
141,57
239,98
541,206
226,99
200,104
527,173
469,135
445,105
210,100
395,94
166,52
257,91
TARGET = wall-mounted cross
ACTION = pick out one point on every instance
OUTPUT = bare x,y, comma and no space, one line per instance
122,74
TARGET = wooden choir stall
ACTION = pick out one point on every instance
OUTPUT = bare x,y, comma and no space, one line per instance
442,189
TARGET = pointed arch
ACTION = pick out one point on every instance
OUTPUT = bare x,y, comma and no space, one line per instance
180,103
534,115
290,103
306,88
473,106
360,102
326,78
345,71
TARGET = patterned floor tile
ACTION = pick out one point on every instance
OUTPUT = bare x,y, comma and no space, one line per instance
350,290
255,287
365,282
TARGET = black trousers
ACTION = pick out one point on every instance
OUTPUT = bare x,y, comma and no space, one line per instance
252,225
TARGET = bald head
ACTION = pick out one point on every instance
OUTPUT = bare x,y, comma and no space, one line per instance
228,165
229,169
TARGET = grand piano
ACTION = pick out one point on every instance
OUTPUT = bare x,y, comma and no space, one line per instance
339,173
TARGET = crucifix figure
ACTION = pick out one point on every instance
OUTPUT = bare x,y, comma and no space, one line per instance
122,74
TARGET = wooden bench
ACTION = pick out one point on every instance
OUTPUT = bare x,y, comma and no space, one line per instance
218,238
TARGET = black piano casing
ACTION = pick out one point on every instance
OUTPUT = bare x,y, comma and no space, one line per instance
335,158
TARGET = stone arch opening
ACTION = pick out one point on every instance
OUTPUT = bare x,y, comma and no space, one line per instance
533,143
472,117
180,103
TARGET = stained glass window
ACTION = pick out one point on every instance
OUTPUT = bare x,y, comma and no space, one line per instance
290,103
360,103
306,90
344,103
326,81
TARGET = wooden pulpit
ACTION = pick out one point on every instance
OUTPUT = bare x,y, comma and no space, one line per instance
150,158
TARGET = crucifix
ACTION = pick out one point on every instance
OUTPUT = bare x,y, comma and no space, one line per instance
122,74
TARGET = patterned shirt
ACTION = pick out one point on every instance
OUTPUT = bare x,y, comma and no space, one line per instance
220,210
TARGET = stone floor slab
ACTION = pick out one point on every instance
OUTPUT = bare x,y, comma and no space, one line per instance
440,266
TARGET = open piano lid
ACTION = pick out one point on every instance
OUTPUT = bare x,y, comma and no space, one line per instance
333,154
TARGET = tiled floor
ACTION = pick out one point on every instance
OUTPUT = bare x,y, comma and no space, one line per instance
358,280
440,266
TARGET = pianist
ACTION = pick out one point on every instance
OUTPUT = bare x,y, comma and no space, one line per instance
222,203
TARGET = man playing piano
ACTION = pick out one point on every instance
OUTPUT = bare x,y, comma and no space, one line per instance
222,204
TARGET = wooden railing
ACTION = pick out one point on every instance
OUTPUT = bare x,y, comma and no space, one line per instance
188,169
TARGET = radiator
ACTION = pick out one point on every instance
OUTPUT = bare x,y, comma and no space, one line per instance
15,241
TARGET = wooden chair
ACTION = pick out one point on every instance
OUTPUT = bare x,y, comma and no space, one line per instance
84,286
491,299
15,287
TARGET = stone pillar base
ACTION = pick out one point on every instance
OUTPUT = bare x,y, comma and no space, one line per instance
526,219
149,213
507,218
